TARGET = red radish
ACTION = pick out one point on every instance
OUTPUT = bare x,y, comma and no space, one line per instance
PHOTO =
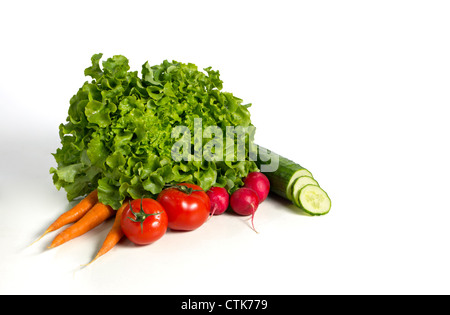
259,183
245,201
219,200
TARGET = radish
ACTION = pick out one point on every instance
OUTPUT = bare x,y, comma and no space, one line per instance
259,183
245,201
219,198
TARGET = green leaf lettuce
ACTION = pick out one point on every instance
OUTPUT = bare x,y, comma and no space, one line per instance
117,137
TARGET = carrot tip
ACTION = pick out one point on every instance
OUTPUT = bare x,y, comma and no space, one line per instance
95,258
52,245
40,237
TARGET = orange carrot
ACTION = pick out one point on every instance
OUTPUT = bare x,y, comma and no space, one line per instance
74,214
90,220
114,235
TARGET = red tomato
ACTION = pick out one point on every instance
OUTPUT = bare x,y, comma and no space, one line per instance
187,206
145,222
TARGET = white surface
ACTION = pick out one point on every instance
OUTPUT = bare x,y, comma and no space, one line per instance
356,91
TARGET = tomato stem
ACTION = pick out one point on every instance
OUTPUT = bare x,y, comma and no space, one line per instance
141,215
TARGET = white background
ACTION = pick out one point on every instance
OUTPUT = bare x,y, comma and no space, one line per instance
358,92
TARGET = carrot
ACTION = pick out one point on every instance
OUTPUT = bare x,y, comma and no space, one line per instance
90,220
73,214
114,235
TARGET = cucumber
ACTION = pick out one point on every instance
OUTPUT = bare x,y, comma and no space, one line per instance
299,184
295,183
314,200
283,178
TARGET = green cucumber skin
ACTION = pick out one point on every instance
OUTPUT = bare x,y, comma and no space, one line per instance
279,179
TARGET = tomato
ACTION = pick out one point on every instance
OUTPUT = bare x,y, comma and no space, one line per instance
144,222
187,206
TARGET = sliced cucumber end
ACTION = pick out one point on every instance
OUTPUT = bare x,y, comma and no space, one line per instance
299,183
314,200
297,174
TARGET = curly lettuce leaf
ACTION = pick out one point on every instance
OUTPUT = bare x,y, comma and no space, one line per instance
117,137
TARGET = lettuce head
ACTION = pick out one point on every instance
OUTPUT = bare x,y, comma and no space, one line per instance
118,134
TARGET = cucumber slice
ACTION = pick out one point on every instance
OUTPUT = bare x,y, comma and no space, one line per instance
314,200
299,184
300,173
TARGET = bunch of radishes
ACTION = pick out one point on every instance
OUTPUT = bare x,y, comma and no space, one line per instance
245,200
